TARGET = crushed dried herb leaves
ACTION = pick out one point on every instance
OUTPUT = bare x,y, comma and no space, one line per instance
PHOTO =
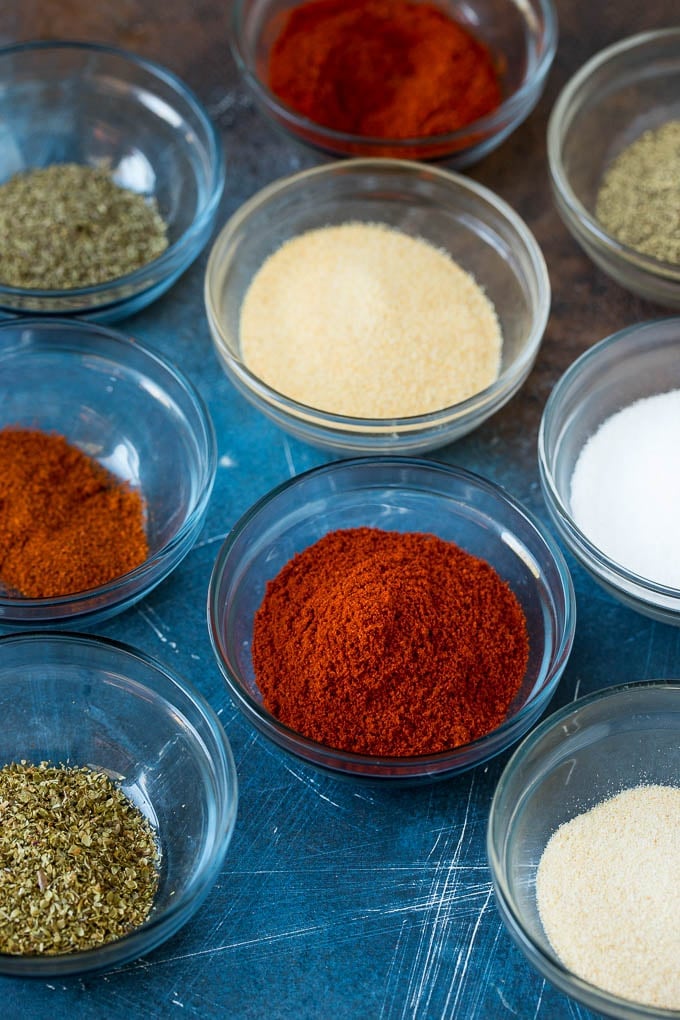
79,862
69,225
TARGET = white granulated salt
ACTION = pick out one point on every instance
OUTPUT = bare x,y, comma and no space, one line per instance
625,488
608,895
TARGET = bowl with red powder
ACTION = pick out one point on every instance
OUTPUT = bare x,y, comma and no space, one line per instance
390,619
108,457
405,78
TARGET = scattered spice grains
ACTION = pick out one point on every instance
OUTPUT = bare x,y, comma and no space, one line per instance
608,892
638,201
364,320
389,643
78,861
66,524
69,225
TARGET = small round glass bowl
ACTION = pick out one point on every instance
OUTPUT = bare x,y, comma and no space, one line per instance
586,752
397,494
470,223
134,413
522,39
68,102
86,701
639,361
626,89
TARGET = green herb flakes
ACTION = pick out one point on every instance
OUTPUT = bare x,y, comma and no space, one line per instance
67,226
78,861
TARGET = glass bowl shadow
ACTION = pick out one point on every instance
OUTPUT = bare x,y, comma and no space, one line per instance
522,39
621,92
86,701
637,362
136,415
468,222
397,494
72,102
584,753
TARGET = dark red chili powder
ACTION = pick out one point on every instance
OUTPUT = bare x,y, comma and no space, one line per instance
382,68
389,643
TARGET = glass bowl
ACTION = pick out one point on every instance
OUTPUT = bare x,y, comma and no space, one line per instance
624,90
586,752
135,414
522,39
75,102
396,494
639,361
77,700
475,227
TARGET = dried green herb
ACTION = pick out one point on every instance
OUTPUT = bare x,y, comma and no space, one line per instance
638,202
67,226
78,861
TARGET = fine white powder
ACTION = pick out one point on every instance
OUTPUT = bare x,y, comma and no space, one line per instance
608,895
364,320
625,488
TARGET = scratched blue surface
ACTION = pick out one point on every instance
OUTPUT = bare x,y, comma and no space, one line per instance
337,901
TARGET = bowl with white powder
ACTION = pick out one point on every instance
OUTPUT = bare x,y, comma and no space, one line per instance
583,848
609,459
375,306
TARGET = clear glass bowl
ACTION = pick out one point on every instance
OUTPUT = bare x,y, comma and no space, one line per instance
75,102
639,361
475,227
134,413
586,752
522,38
67,698
618,94
397,494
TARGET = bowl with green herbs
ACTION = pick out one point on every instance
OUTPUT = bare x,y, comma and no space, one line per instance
614,157
110,177
119,795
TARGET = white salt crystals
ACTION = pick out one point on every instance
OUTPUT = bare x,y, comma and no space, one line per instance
625,488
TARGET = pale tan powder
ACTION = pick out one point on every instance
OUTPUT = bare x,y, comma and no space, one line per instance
608,892
363,320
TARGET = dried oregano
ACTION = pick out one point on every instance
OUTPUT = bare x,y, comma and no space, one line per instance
78,861
70,225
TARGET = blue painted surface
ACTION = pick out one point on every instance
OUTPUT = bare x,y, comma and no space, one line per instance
338,901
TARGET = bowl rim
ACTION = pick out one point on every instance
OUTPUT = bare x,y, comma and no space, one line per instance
154,931
572,98
385,167
507,111
348,762
549,966
180,249
597,558
77,332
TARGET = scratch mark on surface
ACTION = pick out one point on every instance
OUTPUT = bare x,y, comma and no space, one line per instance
505,1001
540,999
307,781
466,960
229,101
577,688
176,1002
146,614
289,456
211,541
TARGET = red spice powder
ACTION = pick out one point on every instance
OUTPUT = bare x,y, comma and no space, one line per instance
389,643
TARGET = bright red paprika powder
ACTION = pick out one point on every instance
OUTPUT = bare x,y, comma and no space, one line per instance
389,643
391,69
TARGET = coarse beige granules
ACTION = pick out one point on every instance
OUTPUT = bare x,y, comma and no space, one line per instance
363,320
608,892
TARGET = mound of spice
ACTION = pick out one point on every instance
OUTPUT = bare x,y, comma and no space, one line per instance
78,861
66,524
69,225
389,69
389,643
364,320
608,893
638,201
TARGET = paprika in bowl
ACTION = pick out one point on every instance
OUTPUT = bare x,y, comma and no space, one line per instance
109,458
337,595
413,80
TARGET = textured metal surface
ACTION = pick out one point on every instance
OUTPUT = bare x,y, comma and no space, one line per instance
336,901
